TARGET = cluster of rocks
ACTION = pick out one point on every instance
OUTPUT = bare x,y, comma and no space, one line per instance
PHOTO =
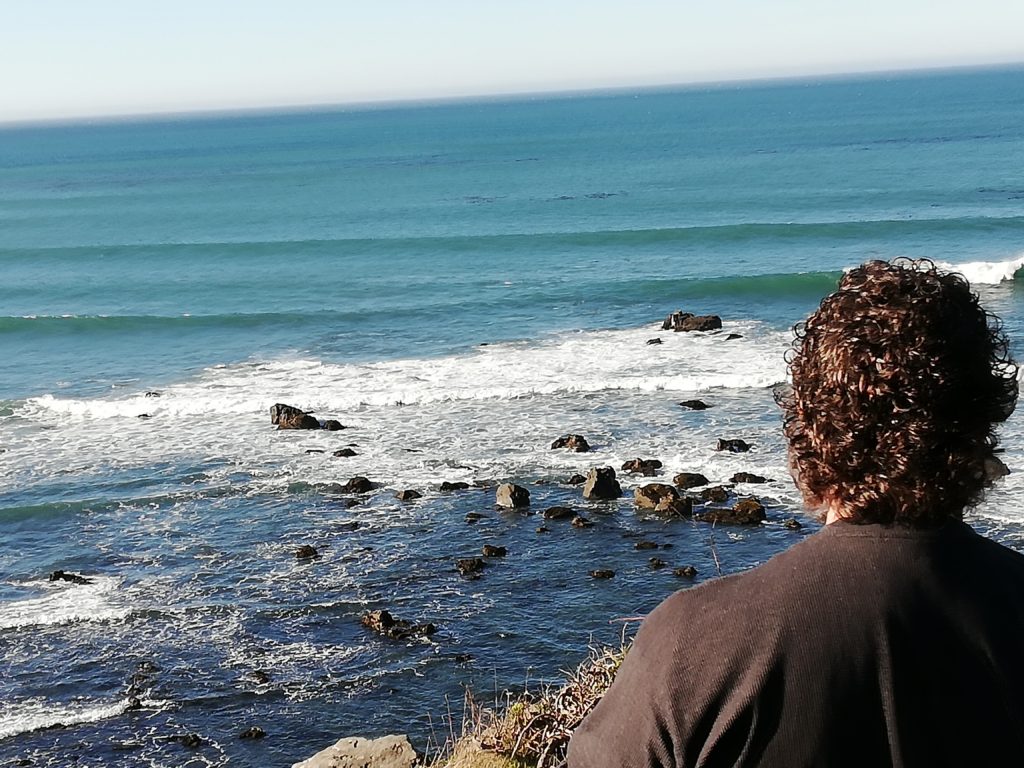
289,417
687,321
382,622
72,578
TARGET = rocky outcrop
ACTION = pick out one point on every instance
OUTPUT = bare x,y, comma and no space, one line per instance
686,572
733,446
581,522
689,480
254,732
687,321
559,513
306,552
715,493
493,550
470,566
333,425
576,479
357,752
408,495
695,405
655,340
344,453
385,624
601,484
652,494
512,496
645,467
675,508
576,443
747,477
602,573
744,512
289,417
456,486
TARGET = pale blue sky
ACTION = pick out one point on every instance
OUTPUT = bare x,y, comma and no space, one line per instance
67,58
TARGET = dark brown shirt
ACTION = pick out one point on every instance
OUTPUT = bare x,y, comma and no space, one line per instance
860,646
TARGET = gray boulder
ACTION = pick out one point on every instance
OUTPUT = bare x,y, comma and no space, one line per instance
357,752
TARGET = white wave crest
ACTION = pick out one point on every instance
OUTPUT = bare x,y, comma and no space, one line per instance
66,604
35,714
986,272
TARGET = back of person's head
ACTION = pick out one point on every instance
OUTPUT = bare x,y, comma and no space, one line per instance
899,379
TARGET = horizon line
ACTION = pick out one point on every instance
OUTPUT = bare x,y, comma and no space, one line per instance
385,103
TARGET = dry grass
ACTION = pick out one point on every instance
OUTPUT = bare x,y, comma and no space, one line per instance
533,729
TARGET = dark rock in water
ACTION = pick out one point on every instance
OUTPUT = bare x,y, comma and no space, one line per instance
344,452
385,624
190,740
492,550
645,545
134,704
288,417
602,573
715,493
255,732
306,552
358,484
333,425
576,443
695,405
733,446
601,484
655,340
259,676
581,522
72,578
511,496
689,480
472,517
675,508
995,469
144,416
558,513
792,524
542,529
153,393
315,450
656,562
456,486
686,572
471,566
645,467
687,321
732,336
745,512
667,545
576,479
747,477
649,496
408,495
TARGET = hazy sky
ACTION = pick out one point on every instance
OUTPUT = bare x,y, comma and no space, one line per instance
63,58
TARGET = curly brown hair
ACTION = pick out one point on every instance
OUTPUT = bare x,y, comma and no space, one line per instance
899,379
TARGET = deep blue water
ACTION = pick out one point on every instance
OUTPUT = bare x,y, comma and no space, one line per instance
460,284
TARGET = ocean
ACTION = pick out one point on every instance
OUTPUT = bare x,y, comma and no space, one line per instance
459,284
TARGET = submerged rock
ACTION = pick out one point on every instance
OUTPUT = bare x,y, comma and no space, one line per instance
655,340
733,446
576,479
744,512
581,522
470,566
601,484
306,552
649,496
689,480
646,545
333,425
695,405
357,752
747,477
344,452
686,572
492,550
472,517
645,467
385,624
602,573
715,493
358,484
456,486
576,443
656,563
792,524
408,495
558,513
255,732
72,578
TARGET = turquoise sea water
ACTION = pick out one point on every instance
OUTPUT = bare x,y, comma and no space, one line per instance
459,284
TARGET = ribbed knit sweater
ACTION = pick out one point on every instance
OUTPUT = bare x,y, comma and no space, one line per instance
862,645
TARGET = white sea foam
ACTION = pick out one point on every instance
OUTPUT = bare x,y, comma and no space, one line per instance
29,715
65,604
986,272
